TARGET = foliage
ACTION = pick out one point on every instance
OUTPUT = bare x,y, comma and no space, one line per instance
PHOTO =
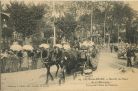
107,16
67,25
25,18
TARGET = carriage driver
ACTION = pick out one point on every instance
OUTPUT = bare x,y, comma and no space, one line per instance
58,50
45,54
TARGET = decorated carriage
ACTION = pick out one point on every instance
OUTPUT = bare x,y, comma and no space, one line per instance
88,47
80,60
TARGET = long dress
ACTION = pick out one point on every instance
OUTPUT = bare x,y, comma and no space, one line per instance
4,57
25,61
14,62
38,58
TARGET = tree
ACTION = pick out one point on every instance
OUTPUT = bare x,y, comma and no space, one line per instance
25,18
67,25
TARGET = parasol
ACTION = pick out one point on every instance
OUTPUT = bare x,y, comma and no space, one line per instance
58,45
87,43
16,47
44,46
27,47
66,46
91,43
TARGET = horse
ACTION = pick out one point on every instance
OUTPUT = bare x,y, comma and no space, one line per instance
68,60
62,59
53,58
67,64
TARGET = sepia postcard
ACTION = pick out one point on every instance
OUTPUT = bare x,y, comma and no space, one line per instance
68,45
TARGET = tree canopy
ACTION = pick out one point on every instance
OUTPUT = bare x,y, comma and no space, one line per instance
106,16
25,18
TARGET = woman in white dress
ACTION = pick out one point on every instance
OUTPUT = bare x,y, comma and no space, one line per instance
25,61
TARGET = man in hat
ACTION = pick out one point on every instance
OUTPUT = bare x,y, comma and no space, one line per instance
45,54
130,53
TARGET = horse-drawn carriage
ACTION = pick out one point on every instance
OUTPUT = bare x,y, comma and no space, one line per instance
71,60
83,57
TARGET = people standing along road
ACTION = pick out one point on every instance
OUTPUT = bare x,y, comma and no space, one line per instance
34,59
20,56
130,54
4,56
25,61
38,58
111,48
14,62
20,60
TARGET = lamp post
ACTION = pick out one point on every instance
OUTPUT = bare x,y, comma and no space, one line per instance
0,25
118,34
91,22
0,40
54,38
55,15
54,35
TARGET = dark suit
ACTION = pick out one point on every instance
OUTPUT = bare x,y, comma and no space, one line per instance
129,55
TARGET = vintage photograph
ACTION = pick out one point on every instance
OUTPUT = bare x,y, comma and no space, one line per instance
68,45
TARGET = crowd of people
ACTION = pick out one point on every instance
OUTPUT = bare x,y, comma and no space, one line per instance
13,61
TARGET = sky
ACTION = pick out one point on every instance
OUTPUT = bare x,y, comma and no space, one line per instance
132,3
